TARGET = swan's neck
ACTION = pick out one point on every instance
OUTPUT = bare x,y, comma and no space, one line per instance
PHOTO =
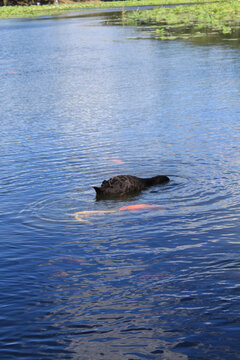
151,181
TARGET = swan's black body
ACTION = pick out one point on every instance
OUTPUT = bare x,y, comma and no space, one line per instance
124,185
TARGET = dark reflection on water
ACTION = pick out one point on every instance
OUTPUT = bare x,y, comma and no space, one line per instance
163,284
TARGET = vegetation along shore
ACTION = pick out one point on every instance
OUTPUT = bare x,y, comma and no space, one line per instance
211,19
32,9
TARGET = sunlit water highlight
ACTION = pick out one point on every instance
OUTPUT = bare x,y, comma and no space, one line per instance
161,284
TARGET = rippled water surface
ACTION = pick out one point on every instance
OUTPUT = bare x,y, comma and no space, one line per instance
81,102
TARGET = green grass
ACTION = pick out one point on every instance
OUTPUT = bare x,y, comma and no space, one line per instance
189,21
34,10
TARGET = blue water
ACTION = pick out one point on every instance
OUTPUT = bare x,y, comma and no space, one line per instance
75,96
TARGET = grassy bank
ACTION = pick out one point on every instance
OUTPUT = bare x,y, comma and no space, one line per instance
34,10
189,21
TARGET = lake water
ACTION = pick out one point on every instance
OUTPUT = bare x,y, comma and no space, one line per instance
81,102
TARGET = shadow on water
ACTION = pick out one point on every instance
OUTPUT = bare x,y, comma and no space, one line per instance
203,38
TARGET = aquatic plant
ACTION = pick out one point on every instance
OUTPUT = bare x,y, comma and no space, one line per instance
190,20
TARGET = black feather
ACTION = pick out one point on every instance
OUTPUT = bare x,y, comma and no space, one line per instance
123,185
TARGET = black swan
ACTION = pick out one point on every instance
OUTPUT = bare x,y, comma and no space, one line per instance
123,185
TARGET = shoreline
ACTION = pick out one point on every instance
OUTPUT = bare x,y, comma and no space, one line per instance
20,11
158,19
